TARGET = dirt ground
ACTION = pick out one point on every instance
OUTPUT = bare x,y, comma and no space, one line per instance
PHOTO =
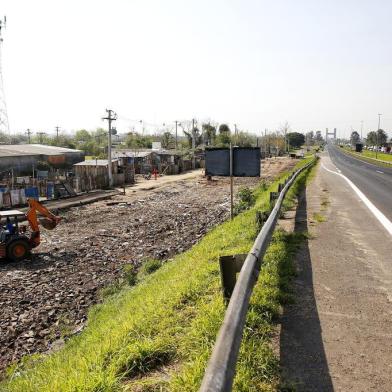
47,298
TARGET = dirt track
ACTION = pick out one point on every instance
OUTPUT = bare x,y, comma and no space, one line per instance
47,298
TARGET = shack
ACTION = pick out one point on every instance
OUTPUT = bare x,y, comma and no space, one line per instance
142,161
23,158
93,174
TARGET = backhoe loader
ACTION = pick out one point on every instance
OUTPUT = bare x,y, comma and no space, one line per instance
15,244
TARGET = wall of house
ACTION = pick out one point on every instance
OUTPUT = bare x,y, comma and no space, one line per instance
21,165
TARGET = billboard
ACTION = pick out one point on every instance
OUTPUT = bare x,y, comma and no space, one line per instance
246,162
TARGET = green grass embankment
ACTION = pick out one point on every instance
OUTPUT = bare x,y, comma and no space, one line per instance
159,334
383,160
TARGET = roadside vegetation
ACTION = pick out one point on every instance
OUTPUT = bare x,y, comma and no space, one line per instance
380,155
370,156
157,331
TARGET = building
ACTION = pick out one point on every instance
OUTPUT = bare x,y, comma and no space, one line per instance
165,161
93,174
141,161
23,158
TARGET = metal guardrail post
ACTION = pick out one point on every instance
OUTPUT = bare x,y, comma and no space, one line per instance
220,371
229,267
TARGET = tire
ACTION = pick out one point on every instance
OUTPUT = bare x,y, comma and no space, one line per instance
18,250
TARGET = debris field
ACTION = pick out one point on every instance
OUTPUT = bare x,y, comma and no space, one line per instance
46,299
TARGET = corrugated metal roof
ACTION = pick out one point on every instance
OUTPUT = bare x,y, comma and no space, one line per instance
33,149
131,154
5,152
95,162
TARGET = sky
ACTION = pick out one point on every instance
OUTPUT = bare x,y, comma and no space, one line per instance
315,64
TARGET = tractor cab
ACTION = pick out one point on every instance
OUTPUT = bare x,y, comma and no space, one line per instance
14,245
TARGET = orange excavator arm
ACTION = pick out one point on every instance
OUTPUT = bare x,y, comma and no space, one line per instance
49,222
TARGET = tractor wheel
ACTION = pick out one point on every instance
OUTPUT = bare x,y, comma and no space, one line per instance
18,250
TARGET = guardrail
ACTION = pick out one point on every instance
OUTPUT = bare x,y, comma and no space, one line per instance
220,371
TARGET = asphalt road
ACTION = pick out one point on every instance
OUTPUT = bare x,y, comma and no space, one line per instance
374,181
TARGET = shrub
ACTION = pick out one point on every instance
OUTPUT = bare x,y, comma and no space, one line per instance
130,274
246,200
150,266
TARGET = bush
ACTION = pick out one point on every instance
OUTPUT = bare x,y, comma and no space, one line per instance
246,200
150,266
130,274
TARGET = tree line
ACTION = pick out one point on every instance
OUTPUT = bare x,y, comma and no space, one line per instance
373,138
94,142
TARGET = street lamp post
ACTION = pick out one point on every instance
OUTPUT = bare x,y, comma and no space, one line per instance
379,120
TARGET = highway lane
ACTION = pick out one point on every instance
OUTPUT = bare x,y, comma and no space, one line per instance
374,181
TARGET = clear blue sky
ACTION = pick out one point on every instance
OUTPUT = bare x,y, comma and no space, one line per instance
315,64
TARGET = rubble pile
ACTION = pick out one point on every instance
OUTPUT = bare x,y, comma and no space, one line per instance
47,298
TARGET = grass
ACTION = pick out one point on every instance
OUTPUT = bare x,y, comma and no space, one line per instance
318,217
382,156
370,156
158,334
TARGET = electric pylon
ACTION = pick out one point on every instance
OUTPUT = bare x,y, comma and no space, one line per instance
4,124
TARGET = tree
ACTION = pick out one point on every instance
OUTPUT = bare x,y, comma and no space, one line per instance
245,139
167,140
355,138
138,141
209,134
284,129
371,138
309,138
296,139
224,137
378,138
382,137
318,139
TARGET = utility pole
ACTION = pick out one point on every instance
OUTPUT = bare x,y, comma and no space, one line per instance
28,133
112,116
235,134
361,130
57,135
40,135
265,143
193,143
176,135
379,121
193,134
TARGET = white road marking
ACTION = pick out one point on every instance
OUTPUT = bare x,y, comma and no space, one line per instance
378,171
375,211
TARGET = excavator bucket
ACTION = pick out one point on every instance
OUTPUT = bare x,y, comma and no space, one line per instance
47,223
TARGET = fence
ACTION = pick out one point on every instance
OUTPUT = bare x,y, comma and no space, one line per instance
220,371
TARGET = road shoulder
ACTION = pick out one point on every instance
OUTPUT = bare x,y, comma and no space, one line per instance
337,335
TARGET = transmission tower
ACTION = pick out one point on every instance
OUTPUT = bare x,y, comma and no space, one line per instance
4,125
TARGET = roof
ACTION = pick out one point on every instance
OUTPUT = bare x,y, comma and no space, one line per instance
33,149
11,213
95,162
131,154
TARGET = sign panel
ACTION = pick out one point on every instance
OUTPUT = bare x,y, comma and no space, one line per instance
246,162
218,162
